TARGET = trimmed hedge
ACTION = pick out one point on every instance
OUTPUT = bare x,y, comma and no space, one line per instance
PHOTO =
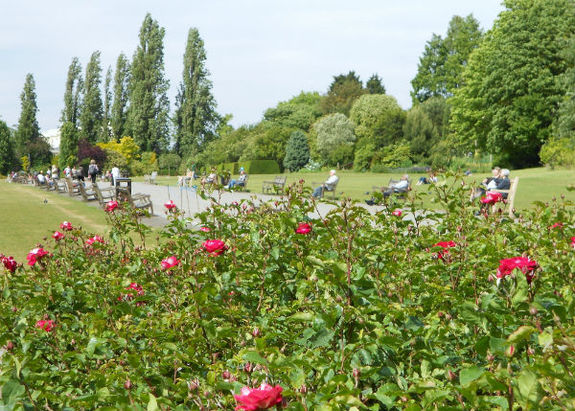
251,167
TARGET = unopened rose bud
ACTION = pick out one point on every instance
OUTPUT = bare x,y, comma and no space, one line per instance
128,384
440,314
303,389
193,385
256,332
533,311
510,351
356,373
9,346
530,351
14,309
448,316
490,357
248,367
451,375
226,375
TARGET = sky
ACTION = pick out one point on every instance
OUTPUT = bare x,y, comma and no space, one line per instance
259,52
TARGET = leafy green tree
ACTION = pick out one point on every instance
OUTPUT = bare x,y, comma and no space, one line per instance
374,85
121,94
105,130
343,92
92,111
149,105
299,112
28,130
267,141
335,139
511,90
418,130
170,161
74,85
440,68
196,118
8,158
68,145
297,151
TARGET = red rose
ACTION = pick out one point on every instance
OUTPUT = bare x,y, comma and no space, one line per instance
9,263
36,255
66,226
556,225
111,206
303,228
170,262
136,287
507,265
214,247
492,197
446,245
46,325
573,242
397,213
95,239
57,235
252,399
205,229
170,205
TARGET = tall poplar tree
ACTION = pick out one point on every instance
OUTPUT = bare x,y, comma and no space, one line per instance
28,130
92,111
196,119
105,131
71,110
148,114
121,94
7,155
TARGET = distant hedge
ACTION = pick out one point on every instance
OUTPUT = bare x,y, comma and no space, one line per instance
251,167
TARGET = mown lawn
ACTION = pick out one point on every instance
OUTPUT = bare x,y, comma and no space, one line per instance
535,184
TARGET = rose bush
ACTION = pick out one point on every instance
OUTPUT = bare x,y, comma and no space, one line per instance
356,316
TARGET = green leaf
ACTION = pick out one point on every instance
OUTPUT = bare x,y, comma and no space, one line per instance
255,357
529,389
468,375
521,291
152,403
522,333
12,390
302,316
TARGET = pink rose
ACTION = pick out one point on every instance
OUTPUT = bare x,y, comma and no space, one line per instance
573,242
397,213
136,287
46,325
57,235
214,247
111,206
9,263
507,265
556,225
66,226
205,229
170,262
95,239
303,228
170,205
492,197
252,399
36,255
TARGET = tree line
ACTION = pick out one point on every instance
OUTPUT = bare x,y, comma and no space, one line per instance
507,92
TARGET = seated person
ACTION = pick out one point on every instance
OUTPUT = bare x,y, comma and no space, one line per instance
402,186
212,178
503,182
241,181
188,178
432,179
328,185
487,183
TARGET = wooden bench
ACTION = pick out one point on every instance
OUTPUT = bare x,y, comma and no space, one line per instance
331,190
104,195
72,186
88,194
510,201
151,178
275,186
140,201
390,188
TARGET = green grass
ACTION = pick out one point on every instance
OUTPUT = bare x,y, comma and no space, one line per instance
535,184
26,219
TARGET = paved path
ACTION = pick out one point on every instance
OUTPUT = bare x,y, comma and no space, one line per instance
191,203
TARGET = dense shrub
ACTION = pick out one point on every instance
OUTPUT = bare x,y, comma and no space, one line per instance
297,151
260,166
343,310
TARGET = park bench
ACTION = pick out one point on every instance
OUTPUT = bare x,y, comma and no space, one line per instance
104,195
88,194
139,201
401,193
73,189
275,186
151,179
331,189
510,200
61,186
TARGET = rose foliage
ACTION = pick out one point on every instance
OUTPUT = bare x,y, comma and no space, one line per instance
359,313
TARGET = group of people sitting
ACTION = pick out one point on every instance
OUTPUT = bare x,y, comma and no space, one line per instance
499,180
212,178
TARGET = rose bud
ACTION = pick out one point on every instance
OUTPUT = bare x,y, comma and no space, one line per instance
510,351
356,373
490,357
9,346
533,311
451,375
248,367
193,385
226,375
128,384
256,332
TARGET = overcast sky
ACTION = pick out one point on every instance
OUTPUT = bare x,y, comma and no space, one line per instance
259,52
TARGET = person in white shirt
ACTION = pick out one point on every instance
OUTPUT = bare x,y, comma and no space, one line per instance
115,174
328,185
